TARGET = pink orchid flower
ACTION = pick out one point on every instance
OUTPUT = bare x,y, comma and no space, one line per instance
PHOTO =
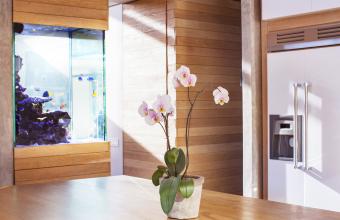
163,104
190,81
176,82
143,109
183,73
184,77
171,111
221,96
153,117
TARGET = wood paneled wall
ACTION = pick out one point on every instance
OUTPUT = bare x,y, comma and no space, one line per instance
69,13
61,162
6,88
208,40
144,35
117,2
206,36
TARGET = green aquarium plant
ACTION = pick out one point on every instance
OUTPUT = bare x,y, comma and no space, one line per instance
172,177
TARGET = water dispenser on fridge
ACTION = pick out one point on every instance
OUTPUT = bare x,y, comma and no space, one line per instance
282,137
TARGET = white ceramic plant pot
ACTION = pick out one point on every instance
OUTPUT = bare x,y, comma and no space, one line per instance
188,208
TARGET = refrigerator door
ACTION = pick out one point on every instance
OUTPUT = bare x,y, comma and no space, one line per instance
285,184
322,179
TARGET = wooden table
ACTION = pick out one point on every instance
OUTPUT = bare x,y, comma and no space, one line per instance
129,198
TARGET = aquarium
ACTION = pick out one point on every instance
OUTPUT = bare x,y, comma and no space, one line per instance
59,85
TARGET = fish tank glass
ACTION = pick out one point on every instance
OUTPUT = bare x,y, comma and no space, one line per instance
59,85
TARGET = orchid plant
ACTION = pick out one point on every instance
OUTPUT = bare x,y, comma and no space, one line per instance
173,177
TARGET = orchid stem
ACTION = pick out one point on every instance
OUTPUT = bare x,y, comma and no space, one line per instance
166,122
187,129
188,92
166,132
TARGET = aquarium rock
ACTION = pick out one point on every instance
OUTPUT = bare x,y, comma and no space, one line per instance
33,126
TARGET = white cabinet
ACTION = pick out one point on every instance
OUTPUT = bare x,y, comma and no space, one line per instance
281,8
318,5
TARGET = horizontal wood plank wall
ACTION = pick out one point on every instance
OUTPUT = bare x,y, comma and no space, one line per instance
208,40
144,35
117,2
61,162
69,13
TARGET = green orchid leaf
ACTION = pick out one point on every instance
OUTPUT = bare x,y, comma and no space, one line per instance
186,187
171,156
170,159
172,169
157,175
167,192
162,168
181,162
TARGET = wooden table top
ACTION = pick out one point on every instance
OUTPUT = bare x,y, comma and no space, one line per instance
129,198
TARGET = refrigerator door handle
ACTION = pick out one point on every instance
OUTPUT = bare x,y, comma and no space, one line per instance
296,141
306,88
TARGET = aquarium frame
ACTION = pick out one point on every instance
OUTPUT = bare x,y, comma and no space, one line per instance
14,106
104,87
104,139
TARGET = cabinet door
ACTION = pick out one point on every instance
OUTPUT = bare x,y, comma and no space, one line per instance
318,5
275,9
322,181
285,184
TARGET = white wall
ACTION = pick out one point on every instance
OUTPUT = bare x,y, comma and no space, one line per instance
114,87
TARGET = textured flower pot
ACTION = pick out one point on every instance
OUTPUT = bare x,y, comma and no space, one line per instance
188,208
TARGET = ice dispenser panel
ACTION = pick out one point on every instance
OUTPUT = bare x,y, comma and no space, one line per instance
282,137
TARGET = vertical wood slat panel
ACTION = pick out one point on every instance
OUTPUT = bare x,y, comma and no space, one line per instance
6,100
221,41
72,13
264,30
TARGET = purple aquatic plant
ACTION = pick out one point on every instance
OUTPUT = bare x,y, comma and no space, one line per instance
34,100
32,125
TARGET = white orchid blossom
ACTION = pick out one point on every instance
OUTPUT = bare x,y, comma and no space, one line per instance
163,104
143,109
221,96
